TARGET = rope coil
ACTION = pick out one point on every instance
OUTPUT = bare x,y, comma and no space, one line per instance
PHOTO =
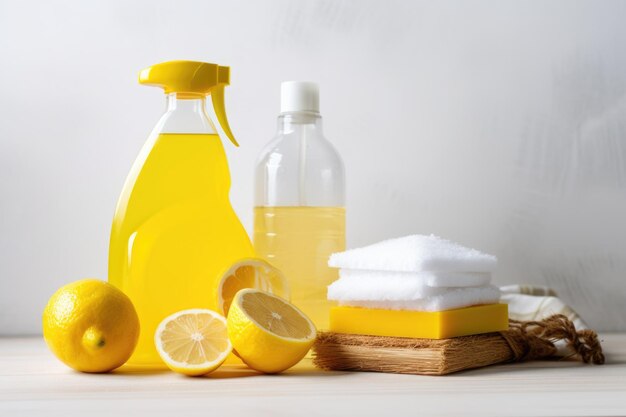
536,339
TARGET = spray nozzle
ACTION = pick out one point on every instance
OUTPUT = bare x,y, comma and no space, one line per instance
190,79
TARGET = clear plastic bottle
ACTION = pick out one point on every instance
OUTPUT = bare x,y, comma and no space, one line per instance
299,214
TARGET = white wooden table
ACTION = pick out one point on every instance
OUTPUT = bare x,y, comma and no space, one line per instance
33,382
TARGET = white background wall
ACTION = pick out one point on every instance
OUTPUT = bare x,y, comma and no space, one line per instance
499,124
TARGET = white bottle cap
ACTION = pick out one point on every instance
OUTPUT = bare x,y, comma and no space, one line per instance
299,96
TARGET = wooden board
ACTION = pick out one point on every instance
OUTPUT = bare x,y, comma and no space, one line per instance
348,352
33,382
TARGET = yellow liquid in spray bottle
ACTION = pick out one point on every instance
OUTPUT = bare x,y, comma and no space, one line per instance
176,237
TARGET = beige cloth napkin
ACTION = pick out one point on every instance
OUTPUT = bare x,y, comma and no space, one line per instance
528,302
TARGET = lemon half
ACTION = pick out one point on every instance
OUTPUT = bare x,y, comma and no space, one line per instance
269,334
193,342
249,273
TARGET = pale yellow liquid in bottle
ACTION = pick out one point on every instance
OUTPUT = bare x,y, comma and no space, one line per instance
299,241
174,232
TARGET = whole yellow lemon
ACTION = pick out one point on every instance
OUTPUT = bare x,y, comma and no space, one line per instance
91,326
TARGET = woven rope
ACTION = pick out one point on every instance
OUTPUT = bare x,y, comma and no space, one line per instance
535,339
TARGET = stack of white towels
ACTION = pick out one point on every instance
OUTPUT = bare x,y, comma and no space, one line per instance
417,272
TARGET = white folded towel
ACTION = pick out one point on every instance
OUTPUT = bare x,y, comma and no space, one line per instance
376,289
414,254
425,278
452,298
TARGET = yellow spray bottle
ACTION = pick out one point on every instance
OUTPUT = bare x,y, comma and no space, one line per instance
174,229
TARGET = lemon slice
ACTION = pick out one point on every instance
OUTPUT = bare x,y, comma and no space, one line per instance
269,334
249,273
193,342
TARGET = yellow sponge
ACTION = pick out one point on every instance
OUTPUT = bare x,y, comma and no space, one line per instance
420,324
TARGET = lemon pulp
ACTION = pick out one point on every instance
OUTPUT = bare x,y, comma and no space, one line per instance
276,315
